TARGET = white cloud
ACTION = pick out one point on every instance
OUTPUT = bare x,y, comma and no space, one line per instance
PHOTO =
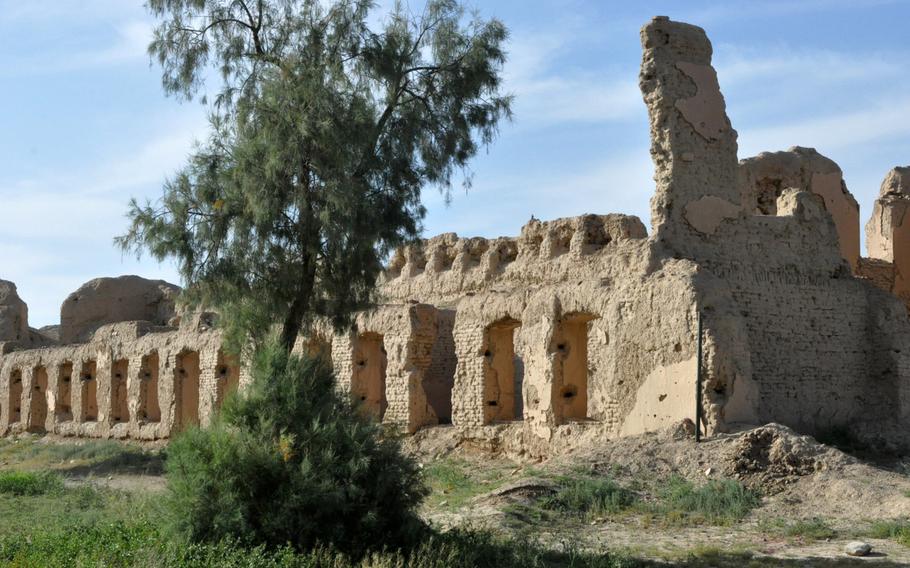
549,93
128,44
834,130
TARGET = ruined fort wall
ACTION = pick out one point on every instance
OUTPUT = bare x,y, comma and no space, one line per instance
101,388
810,329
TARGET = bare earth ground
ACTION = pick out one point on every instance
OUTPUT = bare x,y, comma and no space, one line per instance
798,478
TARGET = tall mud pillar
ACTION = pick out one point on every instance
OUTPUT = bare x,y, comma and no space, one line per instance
693,144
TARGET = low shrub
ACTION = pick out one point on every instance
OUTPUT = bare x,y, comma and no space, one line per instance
291,461
29,482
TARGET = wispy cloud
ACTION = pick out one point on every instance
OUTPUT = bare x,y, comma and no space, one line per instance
770,9
549,92
127,44
834,130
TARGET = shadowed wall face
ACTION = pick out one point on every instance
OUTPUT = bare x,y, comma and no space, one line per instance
64,408
149,409
38,409
227,373
570,368
120,410
15,397
187,388
89,391
499,372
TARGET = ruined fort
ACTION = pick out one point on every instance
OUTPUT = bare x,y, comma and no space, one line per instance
577,329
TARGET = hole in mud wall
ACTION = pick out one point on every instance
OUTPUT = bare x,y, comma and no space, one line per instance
38,415
440,377
15,397
570,373
227,373
767,191
64,408
89,391
502,373
186,388
120,410
149,409
368,379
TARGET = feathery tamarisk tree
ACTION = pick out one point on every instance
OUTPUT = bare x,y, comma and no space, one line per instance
323,134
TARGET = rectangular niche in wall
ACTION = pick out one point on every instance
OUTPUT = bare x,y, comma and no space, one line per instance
89,382
227,374
368,379
440,377
570,372
186,388
120,410
15,396
64,407
502,373
38,409
149,409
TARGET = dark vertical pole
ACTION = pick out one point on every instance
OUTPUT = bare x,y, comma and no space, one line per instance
698,418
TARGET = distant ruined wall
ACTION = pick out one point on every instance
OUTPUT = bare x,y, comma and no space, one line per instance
131,380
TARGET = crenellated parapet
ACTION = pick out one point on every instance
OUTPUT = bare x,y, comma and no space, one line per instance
446,266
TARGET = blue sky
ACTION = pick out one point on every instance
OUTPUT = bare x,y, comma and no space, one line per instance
84,124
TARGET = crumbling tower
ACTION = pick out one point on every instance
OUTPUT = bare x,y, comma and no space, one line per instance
888,230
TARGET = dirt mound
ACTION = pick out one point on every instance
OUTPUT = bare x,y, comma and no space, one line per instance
772,457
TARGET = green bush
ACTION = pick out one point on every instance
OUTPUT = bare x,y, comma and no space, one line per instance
29,482
292,462
719,501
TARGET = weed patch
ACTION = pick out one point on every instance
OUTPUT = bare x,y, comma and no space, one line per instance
29,482
718,502
589,496
896,530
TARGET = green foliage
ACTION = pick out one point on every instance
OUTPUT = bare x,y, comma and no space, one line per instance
323,135
897,530
719,502
292,462
142,544
103,544
591,496
29,483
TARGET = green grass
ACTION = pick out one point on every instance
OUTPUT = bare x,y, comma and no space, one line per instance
589,496
80,457
897,530
29,482
119,539
717,502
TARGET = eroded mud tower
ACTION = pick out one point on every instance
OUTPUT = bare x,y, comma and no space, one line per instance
577,329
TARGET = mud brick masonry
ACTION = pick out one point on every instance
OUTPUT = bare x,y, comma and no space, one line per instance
577,329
